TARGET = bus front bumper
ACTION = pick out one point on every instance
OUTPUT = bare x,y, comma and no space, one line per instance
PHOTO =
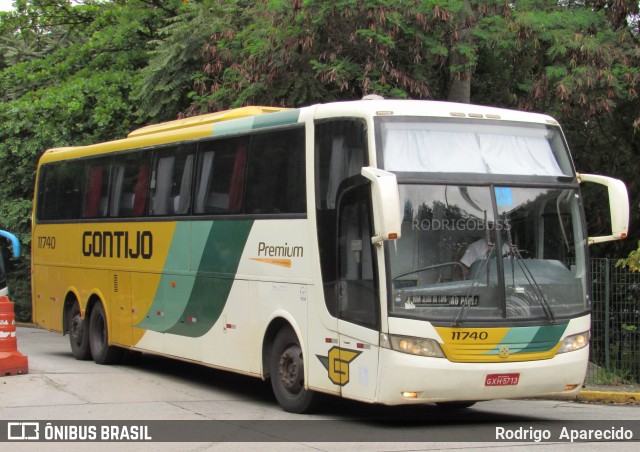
406,379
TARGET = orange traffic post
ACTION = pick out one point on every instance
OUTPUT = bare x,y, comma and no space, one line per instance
12,362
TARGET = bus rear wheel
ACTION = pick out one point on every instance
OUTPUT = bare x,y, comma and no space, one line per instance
286,367
102,352
78,329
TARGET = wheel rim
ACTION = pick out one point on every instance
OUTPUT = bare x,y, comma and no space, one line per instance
291,370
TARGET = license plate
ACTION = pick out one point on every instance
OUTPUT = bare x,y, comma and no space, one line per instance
502,379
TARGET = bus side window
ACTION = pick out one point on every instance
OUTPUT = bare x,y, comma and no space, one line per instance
341,152
129,186
238,179
141,190
276,173
171,175
357,276
96,188
221,176
60,193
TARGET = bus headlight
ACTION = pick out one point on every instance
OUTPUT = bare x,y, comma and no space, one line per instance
412,345
574,342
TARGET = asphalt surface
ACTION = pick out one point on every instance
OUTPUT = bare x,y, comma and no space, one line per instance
59,388
591,393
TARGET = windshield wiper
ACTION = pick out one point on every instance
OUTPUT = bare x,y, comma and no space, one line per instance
457,322
517,256
537,290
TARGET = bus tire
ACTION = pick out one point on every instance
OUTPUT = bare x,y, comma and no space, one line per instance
286,368
78,329
102,352
456,405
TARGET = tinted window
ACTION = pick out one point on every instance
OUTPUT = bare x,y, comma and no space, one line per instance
60,192
171,180
129,185
276,173
222,166
357,294
96,198
341,152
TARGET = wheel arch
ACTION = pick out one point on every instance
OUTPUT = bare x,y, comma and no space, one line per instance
95,298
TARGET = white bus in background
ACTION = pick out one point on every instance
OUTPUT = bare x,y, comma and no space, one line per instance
387,251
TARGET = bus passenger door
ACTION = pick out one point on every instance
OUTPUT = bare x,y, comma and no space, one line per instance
358,301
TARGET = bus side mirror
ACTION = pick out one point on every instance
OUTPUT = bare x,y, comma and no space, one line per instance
618,205
386,204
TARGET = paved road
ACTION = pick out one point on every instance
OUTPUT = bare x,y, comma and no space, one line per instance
58,387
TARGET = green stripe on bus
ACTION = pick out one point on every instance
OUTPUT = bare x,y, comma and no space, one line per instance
222,252
546,338
192,305
171,299
233,126
531,339
256,122
276,119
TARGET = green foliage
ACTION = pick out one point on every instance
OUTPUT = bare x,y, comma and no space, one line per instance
175,58
71,87
613,376
632,261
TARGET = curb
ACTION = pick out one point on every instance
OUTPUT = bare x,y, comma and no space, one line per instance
609,397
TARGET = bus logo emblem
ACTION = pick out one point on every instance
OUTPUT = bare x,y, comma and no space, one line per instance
337,364
504,351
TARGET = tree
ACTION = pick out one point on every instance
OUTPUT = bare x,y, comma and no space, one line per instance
72,89
574,60
175,59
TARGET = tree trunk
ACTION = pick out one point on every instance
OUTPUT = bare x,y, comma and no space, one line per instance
460,68
460,90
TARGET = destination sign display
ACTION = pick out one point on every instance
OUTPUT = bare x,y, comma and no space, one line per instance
443,300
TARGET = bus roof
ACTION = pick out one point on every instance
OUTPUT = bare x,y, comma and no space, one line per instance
248,118
402,107
210,118
179,130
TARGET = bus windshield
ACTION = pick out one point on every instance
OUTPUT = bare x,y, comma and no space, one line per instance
418,145
488,253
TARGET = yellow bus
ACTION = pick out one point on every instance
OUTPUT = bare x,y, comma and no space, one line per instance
387,251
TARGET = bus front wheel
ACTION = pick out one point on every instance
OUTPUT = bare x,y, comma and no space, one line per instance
78,329
102,352
286,367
